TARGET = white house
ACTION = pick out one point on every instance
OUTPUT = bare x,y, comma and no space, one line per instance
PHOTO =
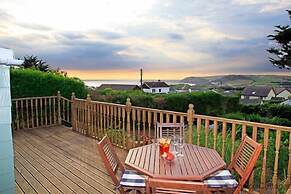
257,94
287,102
282,92
156,87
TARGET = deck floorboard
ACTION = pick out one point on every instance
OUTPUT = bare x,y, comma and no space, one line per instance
58,160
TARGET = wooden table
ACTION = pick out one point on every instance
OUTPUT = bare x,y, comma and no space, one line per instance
197,164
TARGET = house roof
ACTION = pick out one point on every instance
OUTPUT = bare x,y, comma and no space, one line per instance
157,84
119,86
261,91
279,90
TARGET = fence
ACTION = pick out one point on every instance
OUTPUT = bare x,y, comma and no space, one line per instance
129,126
40,112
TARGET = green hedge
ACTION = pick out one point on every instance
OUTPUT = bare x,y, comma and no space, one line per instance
32,83
268,110
209,103
258,118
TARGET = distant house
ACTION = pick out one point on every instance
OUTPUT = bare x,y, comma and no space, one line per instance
287,102
257,94
119,87
283,93
158,87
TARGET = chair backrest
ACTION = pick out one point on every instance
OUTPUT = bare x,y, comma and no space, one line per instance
245,160
110,159
154,185
169,129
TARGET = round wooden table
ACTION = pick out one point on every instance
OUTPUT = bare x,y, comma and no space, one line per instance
197,164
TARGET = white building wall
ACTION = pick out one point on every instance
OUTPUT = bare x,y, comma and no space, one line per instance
7,180
285,94
147,90
254,97
270,95
162,90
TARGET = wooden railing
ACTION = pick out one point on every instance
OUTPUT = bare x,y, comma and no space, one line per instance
130,126
37,112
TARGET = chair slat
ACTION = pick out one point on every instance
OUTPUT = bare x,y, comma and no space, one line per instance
169,129
154,185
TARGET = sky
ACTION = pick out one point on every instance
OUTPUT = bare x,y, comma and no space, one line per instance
169,39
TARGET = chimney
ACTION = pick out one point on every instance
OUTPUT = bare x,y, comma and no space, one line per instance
140,77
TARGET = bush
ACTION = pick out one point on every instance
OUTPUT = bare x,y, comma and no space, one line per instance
268,110
209,103
34,83
259,119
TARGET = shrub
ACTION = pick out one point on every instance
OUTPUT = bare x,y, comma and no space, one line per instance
258,118
209,103
268,110
34,83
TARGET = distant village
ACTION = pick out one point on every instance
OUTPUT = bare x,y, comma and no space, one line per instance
248,95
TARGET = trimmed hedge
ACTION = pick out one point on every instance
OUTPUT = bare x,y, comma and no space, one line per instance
209,103
34,83
268,110
259,119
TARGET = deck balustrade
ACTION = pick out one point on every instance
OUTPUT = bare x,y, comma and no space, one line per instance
130,126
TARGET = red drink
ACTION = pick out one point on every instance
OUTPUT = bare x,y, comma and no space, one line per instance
164,146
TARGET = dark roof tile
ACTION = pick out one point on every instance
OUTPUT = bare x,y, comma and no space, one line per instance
261,91
119,86
157,84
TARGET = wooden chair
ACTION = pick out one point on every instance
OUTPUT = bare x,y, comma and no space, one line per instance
243,164
154,186
169,129
129,180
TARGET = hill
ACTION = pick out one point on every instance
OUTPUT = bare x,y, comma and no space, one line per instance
239,80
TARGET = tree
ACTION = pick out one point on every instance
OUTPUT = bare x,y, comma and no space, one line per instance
34,62
282,53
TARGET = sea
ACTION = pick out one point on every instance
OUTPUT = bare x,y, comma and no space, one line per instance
97,83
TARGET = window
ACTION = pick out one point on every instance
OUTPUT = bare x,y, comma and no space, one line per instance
153,90
160,90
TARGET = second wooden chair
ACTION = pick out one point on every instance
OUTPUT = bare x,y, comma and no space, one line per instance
243,164
129,180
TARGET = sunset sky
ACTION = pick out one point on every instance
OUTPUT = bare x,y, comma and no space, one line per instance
113,39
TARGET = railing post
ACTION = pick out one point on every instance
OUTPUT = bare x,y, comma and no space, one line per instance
59,108
87,113
190,119
128,110
73,109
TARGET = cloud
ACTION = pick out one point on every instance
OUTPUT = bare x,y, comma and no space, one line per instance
109,35
87,54
272,7
4,15
70,35
175,36
217,36
266,6
36,27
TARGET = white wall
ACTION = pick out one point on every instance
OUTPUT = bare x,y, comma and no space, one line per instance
163,90
254,97
270,95
7,180
284,94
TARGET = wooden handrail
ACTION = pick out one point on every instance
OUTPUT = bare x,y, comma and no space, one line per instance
242,122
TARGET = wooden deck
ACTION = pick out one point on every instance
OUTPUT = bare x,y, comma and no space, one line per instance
58,160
